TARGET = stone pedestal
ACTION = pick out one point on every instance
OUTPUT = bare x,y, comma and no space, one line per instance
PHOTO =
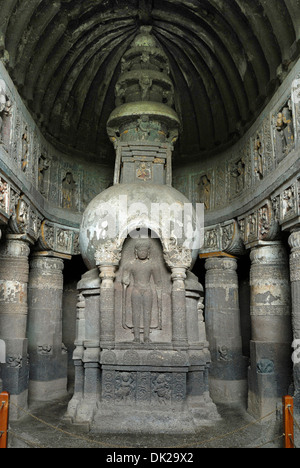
294,241
228,383
14,270
86,355
48,356
270,348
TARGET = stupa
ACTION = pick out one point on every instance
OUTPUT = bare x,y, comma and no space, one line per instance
141,356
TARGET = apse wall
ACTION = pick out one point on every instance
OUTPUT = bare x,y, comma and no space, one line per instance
41,187
262,166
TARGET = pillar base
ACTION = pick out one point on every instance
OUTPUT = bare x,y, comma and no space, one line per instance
269,376
48,391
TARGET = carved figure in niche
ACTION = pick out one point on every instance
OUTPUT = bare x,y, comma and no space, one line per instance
25,150
5,111
143,171
162,388
258,158
211,239
125,386
3,195
238,173
263,221
288,198
145,84
138,275
204,191
69,192
44,165
285,130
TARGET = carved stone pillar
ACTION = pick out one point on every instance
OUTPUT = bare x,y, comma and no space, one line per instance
294,241
179,260
107,260
78,355
179,323
228,382
270,348
107,306
48,356
14,270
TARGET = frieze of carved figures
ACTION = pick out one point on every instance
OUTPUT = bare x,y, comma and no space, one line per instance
225,237
4,199
286,203
5,114
284,131
25,220
296,107
260,224
57,238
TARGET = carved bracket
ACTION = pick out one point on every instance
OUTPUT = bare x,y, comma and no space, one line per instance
286,202
223,238
260,224
58,238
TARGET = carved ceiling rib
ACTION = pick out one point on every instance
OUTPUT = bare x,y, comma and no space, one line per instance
227,59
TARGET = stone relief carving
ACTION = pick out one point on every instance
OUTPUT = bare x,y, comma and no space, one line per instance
258,158
4,195
224,237
204,189
238,173
151,388
25,150
125,387
284,131
265,366
43,174
296,107
161,387
142,292
15,361
54,237
259,225
69,192
5,115
45,349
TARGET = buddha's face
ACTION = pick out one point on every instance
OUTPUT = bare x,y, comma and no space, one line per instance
142,252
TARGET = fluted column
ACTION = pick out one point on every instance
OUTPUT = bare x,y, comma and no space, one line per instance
222,316
294,241
14,270
270,347
48,357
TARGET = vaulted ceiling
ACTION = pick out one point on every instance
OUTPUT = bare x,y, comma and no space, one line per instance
227,58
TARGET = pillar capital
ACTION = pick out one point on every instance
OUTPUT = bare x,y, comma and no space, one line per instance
221,263
294,240
268,253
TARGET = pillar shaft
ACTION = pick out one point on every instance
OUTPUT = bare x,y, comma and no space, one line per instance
222,316
294,241
48,358
179,322
14,269
107,306
269,373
